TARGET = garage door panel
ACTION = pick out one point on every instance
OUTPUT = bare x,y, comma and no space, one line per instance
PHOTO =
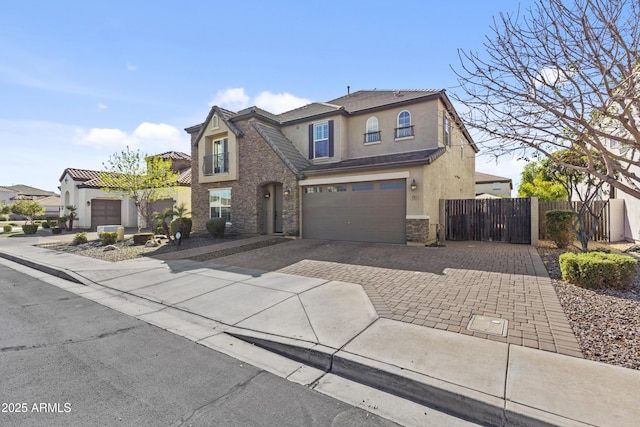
368,211
106,212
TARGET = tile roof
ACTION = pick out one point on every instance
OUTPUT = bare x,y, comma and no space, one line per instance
185,177
283,147
80,174
7,190
49,201
485,177
309,110
369,99
173,155
30,191
422,157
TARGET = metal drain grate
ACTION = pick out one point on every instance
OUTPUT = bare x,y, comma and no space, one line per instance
488,325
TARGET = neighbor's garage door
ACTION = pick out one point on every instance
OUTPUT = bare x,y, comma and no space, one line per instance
105,212
362,212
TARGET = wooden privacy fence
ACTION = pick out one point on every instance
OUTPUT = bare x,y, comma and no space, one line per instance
603,225
492,220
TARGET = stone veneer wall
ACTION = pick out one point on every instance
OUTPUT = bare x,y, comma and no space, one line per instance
258,165
417,230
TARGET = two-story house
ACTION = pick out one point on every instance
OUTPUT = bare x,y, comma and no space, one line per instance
368,166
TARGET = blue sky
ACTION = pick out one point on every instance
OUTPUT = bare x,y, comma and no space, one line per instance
81,80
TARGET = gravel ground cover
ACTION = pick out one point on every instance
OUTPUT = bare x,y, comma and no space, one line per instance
606,323
126,249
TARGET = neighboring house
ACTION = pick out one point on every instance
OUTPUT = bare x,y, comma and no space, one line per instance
493,185
368,166
82,188
48,199
631,221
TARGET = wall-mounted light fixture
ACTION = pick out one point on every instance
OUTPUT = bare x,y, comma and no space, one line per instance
414,185
287,192
267,195
88,202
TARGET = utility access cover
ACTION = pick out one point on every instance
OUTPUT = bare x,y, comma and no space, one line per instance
488,325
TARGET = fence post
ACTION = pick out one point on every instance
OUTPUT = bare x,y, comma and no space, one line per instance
442,218
535,222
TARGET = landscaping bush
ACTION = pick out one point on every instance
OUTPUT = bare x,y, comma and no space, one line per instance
174,227
559,224
45,224
13,224
142,238
598,270
3,218
216,226
80,238
108,237
7,228
30,228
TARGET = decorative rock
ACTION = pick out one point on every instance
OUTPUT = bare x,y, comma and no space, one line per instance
153,243
110,248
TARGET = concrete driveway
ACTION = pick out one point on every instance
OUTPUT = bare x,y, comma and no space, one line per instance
441,287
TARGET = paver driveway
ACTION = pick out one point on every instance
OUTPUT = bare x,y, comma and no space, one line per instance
436,287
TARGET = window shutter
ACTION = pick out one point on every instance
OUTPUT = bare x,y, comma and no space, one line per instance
311,141
330,138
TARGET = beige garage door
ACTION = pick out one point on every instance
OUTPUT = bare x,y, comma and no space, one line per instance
105,212
361,212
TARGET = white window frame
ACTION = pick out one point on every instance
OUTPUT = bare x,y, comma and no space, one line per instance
446,131
319,139
372,131
219,203
403,125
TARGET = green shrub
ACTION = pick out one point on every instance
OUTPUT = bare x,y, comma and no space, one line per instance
13,224
216,226
108,237
7,228
3,218
30,228
45,224
598,270
559,224
174,227
80,238
142,238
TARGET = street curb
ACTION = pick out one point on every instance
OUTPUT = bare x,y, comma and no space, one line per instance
459,401
54,271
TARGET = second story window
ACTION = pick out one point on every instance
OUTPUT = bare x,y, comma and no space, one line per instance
218,161
447,131
404,129
321,140
372,134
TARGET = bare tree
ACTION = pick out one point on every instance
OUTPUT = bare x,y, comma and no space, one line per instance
583,185
563,75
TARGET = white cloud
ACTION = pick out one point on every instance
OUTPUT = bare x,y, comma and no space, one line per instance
150,138
101,107
236,99
131,67
279,102
233,99
156,131
104,138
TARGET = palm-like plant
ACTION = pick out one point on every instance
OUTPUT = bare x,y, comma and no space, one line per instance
71,215
167,214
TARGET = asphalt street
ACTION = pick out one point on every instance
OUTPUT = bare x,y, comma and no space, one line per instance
67,361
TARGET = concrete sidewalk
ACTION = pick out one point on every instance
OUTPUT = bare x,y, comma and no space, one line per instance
330,330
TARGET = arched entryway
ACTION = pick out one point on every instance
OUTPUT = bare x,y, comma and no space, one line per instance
272,207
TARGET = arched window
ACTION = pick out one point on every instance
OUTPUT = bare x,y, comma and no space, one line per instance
214,122
404,128
372,134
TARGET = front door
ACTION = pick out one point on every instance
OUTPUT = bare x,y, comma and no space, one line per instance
273,208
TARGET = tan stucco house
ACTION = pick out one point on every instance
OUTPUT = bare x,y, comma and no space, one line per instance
493,185
368,166
82,188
